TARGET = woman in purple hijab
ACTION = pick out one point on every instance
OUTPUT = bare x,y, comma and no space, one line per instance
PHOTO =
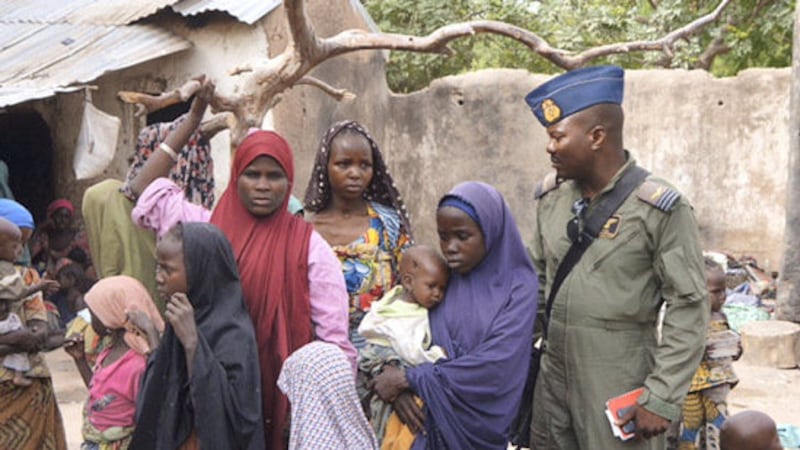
485,324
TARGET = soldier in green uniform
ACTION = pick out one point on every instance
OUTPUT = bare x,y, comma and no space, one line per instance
601,338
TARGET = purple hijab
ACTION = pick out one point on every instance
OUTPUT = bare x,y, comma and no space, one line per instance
486,325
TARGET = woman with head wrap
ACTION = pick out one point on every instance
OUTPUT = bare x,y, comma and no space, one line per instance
354,204
292,282
113,383
30,418
202,385
60,234
485,326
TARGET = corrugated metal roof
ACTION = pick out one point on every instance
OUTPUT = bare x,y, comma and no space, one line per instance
247,11
42,59
93,12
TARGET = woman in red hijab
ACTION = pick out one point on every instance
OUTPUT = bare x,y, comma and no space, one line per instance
292,282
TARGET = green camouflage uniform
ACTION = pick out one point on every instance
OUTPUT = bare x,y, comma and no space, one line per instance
602,339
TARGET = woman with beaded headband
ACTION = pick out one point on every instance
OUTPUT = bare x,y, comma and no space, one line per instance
354,204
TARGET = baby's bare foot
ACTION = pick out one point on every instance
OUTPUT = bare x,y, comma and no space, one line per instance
21,380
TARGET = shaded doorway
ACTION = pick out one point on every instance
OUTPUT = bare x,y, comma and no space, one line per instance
27,149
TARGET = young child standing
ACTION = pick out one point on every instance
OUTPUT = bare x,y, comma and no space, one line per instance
109,413
396,327
705,407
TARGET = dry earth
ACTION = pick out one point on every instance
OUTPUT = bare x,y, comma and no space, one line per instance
774,391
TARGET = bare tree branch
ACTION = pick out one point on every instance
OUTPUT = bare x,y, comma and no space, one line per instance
437,41
338,94
715,48
304,40
146,103
216,124
664,44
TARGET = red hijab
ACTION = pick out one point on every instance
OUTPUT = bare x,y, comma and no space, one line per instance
272,255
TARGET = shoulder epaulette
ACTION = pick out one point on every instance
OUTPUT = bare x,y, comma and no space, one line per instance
549,183
658,195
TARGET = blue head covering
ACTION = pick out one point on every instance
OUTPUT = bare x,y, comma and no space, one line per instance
15,213
485,323
575,91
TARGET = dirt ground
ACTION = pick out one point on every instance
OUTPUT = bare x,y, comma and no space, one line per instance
774,391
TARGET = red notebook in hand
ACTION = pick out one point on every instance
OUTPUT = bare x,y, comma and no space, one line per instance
616,407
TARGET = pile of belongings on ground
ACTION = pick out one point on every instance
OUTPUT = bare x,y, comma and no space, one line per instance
751,290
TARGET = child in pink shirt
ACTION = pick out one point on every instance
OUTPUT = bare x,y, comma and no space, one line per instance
110,411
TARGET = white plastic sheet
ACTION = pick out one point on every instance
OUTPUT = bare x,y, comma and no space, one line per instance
97,142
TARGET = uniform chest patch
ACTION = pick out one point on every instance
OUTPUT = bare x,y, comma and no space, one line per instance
611,227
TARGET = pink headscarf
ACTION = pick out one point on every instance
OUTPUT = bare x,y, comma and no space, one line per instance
59,204
111,298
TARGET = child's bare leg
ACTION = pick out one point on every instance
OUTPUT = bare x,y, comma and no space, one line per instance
20,379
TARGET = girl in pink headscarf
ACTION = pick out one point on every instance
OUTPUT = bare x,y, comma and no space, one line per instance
119,306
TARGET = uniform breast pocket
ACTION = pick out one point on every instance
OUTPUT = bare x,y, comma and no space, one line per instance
627,246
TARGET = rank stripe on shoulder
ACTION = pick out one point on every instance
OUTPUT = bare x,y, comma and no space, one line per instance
667,200
659,196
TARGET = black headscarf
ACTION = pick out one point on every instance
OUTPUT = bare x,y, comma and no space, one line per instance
222,401
381,189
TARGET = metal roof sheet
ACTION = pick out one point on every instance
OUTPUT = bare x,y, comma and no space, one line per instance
42,59
247,11
93,12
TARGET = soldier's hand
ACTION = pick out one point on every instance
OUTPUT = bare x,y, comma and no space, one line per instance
648,424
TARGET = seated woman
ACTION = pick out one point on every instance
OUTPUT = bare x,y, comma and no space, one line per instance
292,282
200,389
60,234
485,326
353,203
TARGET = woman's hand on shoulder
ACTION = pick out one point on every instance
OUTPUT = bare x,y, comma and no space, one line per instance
180,314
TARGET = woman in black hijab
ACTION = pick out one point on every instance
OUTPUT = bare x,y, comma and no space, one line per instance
202,386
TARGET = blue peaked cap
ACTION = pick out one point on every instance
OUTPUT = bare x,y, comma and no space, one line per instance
575,91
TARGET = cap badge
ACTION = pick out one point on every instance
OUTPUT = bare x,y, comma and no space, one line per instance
550,110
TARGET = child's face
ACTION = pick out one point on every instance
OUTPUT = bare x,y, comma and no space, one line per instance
428,285
65,280
11,245
170,267
715,284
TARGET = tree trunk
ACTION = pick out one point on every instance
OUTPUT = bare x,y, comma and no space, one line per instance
788,293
